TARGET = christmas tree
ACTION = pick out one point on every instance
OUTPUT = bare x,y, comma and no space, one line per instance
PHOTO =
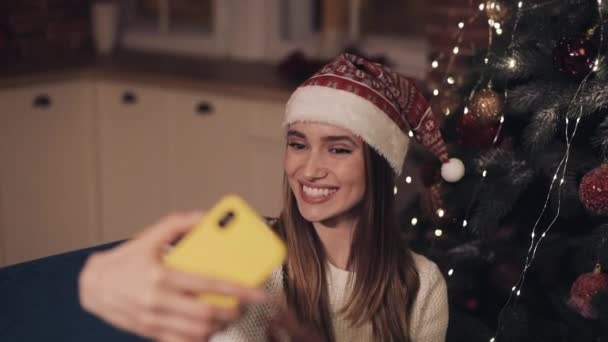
523,238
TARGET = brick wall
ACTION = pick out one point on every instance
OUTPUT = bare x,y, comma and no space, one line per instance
35,29
444,16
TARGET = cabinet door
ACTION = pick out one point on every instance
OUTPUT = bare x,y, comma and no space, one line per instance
208,153
47,171
266,144
133,157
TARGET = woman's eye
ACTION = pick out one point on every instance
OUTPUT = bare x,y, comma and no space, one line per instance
296,146
340,151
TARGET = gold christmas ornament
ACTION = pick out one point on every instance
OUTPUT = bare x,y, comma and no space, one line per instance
486,105
497,11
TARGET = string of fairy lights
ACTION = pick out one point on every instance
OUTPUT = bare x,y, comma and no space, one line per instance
559,174
493,9
495,26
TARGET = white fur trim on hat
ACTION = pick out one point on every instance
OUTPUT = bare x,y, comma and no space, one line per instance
354,113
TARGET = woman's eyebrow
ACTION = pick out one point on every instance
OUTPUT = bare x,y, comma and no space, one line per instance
329,138
297,134
334,138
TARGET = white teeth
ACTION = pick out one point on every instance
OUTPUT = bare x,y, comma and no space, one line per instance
317,192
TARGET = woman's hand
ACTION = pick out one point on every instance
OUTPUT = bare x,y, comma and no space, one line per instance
130,288
286,322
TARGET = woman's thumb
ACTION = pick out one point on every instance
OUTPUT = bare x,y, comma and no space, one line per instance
170,228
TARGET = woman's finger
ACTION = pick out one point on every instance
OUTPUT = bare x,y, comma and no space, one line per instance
169,336
190,283
165,324
123,320
168,230
190,307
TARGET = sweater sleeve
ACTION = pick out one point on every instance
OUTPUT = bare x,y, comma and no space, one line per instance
430,314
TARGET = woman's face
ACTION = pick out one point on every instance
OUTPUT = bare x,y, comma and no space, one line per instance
325,167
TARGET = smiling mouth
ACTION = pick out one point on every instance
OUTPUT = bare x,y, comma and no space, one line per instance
317,195
318,192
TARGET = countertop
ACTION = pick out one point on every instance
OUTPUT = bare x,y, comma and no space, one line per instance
244,79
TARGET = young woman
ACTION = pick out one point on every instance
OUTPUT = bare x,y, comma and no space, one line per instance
349,274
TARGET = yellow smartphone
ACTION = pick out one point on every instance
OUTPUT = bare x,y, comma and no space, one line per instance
233,243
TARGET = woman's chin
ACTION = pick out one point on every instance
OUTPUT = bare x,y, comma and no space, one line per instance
314,215
321,215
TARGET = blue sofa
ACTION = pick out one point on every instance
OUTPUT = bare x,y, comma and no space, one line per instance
39,302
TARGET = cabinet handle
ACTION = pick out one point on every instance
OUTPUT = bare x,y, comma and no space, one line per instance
129,98
42,101
204,108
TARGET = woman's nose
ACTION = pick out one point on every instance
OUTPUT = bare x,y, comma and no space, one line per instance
314,167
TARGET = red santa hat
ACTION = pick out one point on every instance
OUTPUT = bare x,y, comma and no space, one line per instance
375,103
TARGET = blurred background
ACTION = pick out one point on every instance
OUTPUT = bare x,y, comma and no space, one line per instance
257,30
115,112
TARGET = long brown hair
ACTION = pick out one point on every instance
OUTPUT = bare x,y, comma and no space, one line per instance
383,291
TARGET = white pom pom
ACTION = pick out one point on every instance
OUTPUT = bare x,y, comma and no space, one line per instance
453,170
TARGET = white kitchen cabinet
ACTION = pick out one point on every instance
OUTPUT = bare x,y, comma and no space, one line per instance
47,177
92,161
207,148
133,147
266,143
212,152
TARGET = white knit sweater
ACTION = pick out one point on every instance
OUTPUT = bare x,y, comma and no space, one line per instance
429,319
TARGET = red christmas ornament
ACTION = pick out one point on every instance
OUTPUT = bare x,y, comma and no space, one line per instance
476,133
593,190
472,304
504,274
585,288
575,56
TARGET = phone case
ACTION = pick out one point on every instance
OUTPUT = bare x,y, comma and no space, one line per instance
233,243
